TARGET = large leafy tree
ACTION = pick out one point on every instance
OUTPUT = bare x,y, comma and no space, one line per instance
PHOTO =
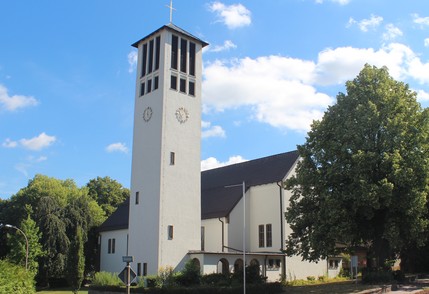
108,193
363,177
76,261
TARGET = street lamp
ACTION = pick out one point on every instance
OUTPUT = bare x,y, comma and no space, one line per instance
26,241
244,231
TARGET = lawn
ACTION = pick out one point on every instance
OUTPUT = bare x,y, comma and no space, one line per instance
331,288
60,291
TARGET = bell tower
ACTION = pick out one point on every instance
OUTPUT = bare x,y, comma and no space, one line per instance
165,201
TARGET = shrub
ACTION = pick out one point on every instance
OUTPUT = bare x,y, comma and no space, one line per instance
16,279
191,274
106,279
370,276
165,277
311,278
399,276
215,280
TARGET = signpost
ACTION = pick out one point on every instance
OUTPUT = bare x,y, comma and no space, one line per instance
127,275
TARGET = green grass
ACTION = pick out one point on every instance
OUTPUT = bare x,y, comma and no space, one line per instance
61,291
331,288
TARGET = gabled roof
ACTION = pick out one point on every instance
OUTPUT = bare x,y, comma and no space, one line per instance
172,27
117,220
218,200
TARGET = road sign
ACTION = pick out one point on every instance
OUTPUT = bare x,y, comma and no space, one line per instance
127,258
124,275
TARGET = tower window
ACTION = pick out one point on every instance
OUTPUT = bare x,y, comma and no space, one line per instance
269,235
156,83
149,86
183,85
183,59
202,238
150,67
192,59
191,88
157,51
144,60
173,82
137,197
174,51
142,89
172,158
145,269
170,232
139,269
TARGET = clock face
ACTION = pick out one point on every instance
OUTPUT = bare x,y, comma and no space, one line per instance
182,115
147,114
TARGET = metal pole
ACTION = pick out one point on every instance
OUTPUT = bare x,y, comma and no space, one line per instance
26,243
128,278
244,237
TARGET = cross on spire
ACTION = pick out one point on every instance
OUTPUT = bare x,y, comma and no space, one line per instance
171,10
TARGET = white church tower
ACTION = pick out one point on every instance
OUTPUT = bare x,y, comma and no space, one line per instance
165,202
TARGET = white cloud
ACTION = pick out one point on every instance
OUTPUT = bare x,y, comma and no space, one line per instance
212,162
391,32
341,2
423,21
117,147
282,91
14,102
38,143
8,143
366,24
422,95
211,131
426,42
233,16
228,44
276,89
132,60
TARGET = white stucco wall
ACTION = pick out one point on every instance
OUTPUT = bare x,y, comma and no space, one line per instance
213,234
113,262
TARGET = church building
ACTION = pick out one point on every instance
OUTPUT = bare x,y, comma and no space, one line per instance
220,218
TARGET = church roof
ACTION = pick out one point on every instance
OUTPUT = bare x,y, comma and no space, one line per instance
118,220
175,28
217,199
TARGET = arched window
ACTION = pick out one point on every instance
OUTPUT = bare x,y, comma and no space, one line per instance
196,263
238,265
223,266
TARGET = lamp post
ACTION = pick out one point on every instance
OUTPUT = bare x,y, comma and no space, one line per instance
244,230
26,241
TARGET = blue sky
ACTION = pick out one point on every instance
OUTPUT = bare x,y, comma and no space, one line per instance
67,75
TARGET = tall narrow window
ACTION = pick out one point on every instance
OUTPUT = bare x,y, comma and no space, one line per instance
191,88
172,158
202,239
142,89
149,86
183,52
137,197
261,236
170,232
156,83
139,269
173,82
157,51
113,245
174,51
144,60
145,269
269,235
183,85
192,59
109,246
150,66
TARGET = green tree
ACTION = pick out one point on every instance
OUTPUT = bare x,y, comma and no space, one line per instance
18,245
76,261
15,279
363,177
108,193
